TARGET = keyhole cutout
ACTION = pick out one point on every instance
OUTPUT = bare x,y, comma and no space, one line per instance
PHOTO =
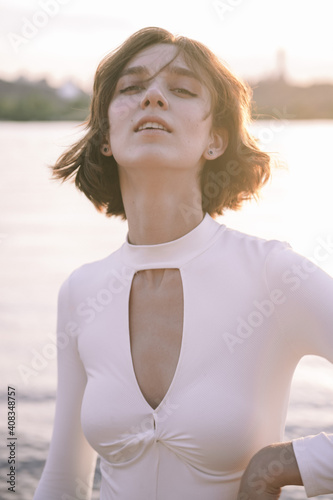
156,311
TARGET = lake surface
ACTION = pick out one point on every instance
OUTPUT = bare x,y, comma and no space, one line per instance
48,229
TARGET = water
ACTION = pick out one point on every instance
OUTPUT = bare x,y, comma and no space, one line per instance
47,230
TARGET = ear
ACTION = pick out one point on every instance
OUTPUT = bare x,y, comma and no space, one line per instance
106,150
217,145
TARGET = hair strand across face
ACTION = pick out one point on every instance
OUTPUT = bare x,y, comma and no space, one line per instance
226,182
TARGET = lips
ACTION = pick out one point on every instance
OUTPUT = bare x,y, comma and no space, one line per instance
152,123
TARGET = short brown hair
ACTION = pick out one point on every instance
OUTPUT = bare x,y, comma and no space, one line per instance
226,182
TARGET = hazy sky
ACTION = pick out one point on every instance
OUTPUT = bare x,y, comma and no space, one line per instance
65,39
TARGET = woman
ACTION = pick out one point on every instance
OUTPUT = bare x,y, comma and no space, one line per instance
176,352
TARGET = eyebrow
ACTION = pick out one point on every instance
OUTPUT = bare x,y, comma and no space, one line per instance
143,70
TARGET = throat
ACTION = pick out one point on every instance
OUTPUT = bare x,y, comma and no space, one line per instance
161,205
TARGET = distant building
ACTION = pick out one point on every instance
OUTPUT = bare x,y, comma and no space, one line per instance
281,65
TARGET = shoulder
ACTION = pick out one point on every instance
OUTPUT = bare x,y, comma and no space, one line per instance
92,276
250,247
275,262
278,260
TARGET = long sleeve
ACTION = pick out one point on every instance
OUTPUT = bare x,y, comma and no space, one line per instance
314,455
306,317
69,469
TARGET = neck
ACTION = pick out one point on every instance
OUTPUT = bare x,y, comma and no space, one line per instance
160,206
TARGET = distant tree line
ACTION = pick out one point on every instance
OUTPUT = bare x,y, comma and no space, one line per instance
23,100
34,101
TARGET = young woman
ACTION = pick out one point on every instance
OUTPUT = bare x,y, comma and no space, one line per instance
176,352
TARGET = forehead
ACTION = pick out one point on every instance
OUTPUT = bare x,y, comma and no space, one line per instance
152,59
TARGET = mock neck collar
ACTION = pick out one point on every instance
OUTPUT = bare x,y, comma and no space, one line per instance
175,253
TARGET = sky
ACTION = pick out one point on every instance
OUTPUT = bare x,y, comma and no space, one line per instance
63,40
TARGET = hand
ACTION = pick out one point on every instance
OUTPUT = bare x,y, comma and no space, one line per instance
268,471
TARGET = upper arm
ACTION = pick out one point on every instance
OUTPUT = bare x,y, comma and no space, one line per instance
306,316
306,312
71,461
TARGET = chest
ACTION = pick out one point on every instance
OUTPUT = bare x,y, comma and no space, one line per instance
156,328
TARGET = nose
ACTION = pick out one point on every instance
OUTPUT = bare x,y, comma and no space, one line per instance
154,97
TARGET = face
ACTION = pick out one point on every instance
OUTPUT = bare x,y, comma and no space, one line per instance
164,121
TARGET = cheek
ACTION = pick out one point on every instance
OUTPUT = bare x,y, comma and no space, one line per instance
197,131
118,116
121,108
198,119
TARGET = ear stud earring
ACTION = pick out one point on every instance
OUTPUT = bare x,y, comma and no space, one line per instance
105,149
210,152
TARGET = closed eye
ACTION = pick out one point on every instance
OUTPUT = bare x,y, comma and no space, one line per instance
184,91
137,88
130,88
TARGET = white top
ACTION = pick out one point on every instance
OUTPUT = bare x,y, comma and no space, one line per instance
252,309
